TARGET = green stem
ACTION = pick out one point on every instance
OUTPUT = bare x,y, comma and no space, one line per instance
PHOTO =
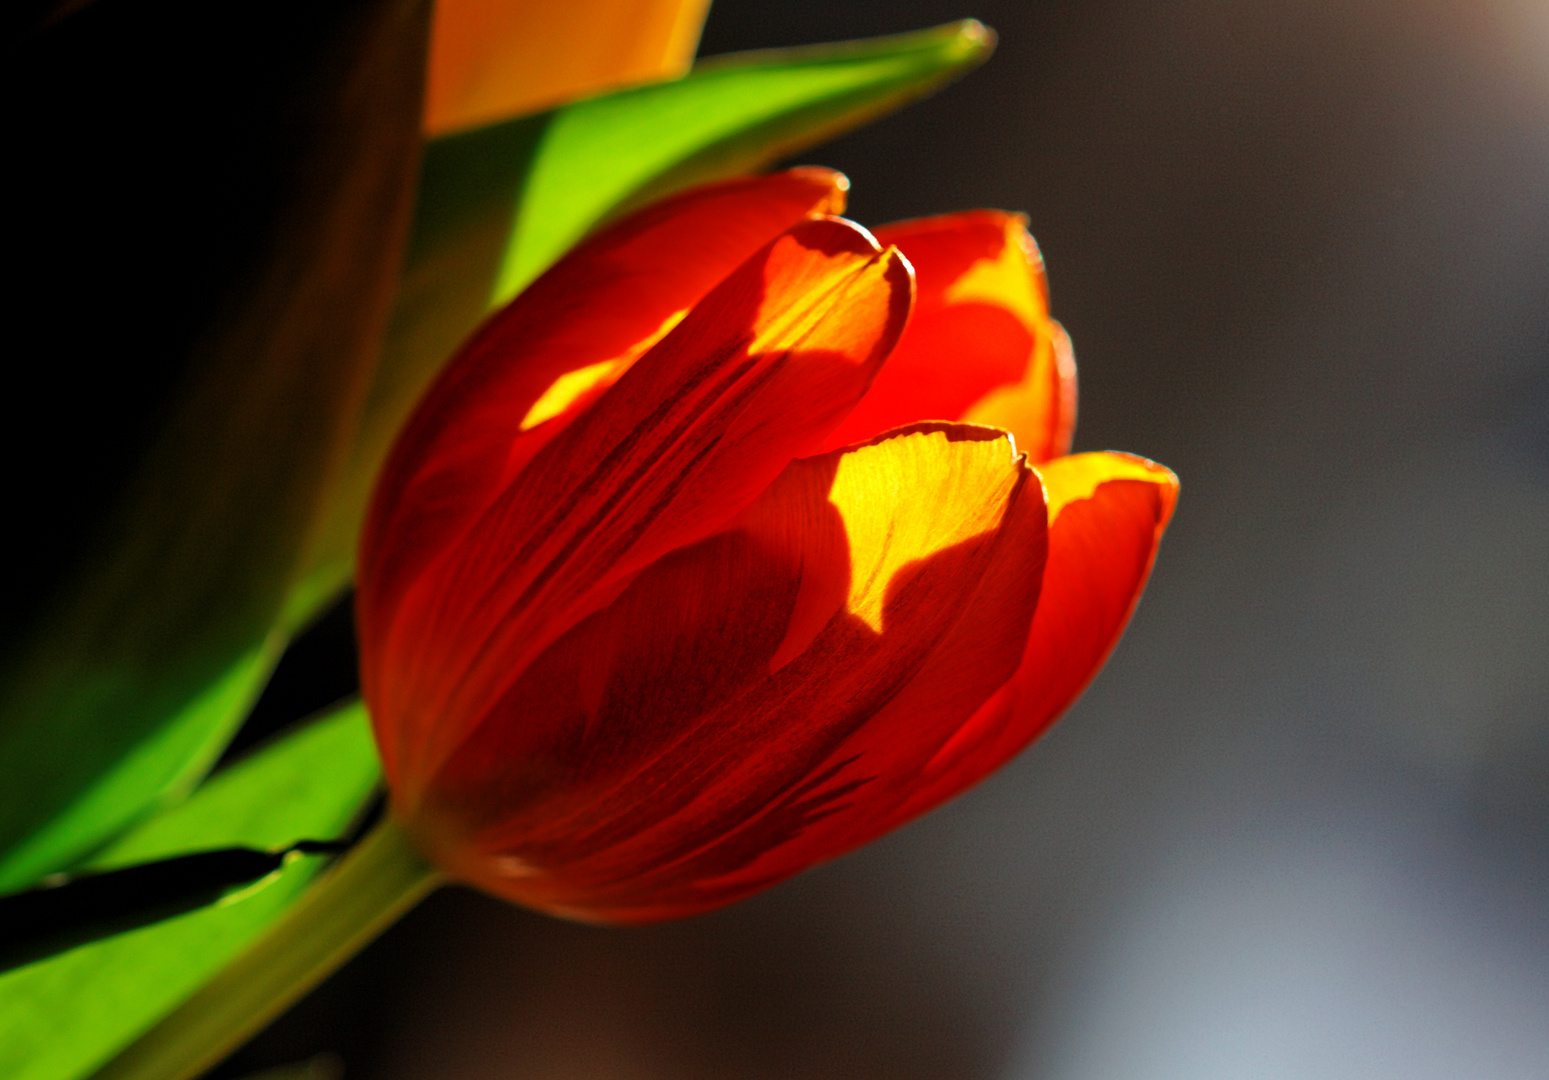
378,881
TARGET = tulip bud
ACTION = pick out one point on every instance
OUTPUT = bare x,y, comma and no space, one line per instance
636,645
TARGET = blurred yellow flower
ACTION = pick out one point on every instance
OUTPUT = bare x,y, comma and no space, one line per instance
490,59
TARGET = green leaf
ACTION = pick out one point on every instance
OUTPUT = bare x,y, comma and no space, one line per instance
733,114
499,204
376,883
203,322
64,1016
163,767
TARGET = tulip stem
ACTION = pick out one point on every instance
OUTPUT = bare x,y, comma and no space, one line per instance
365,893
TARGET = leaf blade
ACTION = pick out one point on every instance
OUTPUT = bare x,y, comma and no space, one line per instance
167,765
732,114
62,1017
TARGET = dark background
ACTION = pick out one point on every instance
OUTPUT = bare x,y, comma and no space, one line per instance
1299,828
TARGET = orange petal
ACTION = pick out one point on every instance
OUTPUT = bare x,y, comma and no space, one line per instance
1107,513
490,59
1041,409
758,701
980,345
569,336
758,373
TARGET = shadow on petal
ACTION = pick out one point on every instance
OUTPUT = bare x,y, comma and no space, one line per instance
668,743
757,374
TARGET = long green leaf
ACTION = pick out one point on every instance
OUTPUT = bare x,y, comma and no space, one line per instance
498,205
63,1017
161,769
215,207
733,114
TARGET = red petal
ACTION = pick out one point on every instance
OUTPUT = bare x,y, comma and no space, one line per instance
762,700
758,373
980,345
1107,515
598,304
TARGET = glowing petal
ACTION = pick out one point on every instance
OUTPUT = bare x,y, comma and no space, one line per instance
1041,409
1077,478
965,503
1107,514
656,761
757,373
1011,278
567,390
602,304
490,59
981,346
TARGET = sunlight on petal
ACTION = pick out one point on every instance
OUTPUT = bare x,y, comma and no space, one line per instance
566,390
1075,479
1012,279
1041,409
965,483
981,346
569,387
683,442
823,286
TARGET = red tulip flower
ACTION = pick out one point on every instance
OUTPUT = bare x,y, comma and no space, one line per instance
738,539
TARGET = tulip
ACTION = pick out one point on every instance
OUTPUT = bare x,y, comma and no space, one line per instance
738,539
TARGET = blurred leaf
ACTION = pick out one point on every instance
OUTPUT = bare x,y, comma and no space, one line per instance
490,62
499,204
163,766
319,1067
216,200
64,1016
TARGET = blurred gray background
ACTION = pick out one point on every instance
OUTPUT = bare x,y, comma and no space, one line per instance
1299,828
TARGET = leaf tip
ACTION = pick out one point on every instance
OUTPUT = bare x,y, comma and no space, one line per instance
974,40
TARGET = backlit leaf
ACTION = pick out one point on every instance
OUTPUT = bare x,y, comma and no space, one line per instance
62,1017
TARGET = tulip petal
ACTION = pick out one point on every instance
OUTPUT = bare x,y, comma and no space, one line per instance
1107,513
758,373
980,345
490,59
591,313
736,698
